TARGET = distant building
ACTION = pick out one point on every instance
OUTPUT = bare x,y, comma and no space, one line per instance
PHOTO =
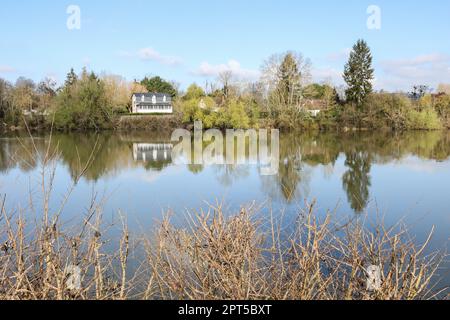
202,105
315,106
151,103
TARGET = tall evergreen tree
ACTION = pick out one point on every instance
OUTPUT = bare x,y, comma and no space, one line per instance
289,79
71,78
358,73
5,93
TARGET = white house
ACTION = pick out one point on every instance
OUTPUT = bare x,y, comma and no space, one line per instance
151,103
315,106
314,113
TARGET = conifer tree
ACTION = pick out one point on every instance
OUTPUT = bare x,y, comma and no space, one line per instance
71,78
289,76
358,73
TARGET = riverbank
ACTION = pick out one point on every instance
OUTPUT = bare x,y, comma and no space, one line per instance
166,123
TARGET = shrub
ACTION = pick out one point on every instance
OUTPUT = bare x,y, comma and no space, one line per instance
194,92
442,106
233,115
83,105
198,109
237,118
221,257
387,110
427,119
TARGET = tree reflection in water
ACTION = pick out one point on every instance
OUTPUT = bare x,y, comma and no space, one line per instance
356,180
299,153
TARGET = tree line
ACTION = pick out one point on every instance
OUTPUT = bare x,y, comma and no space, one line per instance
284,97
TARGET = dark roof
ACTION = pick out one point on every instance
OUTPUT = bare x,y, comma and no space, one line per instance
148,97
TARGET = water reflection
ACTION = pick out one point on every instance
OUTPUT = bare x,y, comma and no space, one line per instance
154,152
356,180
299,153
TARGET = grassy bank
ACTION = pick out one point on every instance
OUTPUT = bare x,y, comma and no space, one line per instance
149,122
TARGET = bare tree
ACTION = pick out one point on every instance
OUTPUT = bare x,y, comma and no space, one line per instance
444,88
283,77
225,79
23,95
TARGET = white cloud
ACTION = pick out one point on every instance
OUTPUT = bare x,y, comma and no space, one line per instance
87,62
327,74
7,69
341,55
209,70
150,54
423,59
418,165
402,74
396,74
52,76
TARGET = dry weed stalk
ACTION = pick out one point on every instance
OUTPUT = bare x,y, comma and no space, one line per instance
221,257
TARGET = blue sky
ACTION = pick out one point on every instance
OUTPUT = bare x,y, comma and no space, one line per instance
191,41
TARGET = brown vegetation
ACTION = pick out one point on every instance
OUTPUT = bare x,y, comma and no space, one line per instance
149,122
217,257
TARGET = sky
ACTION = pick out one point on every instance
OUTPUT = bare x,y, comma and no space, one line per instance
194,40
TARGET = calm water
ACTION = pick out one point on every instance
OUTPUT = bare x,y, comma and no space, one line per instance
399,176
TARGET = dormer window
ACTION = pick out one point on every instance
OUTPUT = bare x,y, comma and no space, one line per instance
165,99
154,99
143,98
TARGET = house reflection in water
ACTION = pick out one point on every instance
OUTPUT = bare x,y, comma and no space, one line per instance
152,152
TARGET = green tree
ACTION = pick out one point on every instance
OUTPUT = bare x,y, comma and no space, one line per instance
356,180
418,92
330,96
194,92
159,85
83,104
289,75
71,78
358,73
5,98
94,103
314,91
442,106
